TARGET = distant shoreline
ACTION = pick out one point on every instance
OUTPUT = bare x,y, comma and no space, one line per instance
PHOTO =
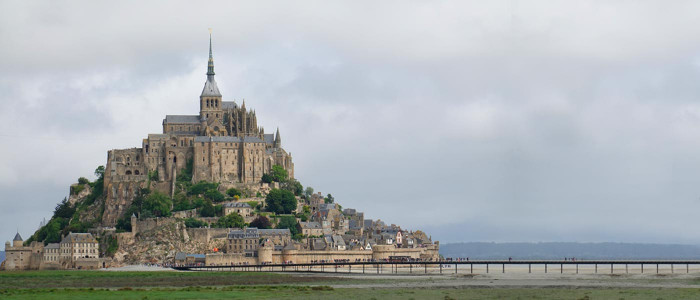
561,250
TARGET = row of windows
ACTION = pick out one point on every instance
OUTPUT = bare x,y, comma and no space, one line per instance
212,103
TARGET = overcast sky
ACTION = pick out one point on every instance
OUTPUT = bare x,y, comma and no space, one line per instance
472,120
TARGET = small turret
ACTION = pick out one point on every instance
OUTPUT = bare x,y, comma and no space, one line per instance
17,241
278,139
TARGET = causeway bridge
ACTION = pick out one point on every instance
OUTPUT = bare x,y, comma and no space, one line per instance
469,267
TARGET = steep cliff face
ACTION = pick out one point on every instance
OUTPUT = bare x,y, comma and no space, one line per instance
160,244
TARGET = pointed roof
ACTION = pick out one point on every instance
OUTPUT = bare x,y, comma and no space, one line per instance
210,87
17,237
278,140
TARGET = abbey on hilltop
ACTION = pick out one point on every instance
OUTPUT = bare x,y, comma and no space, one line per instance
223,143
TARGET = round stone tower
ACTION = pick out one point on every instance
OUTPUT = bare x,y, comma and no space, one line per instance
265,252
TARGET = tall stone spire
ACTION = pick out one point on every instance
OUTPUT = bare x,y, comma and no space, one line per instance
210,67
210,87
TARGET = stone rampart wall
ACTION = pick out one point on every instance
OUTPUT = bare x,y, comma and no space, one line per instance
205,235
141,225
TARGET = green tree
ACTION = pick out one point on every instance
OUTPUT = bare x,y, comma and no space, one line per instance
329,199
289,222
124,224
100,172
157,204
279,174
181,202
83,180
308,192
153,175
202,187
232,192
261,222
267,178
293,186
281,201
207,209
64,210
214,195
232,220
185,174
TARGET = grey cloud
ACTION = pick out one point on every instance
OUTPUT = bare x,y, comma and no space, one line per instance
474,120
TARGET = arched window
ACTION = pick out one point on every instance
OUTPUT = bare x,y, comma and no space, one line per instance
136,172
174,159
128,172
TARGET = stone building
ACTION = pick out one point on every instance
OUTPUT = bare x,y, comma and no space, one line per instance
52,254
240,208
77,248
248,240
223,142
21,257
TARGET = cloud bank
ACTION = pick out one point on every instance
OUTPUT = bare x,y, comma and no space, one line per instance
473,120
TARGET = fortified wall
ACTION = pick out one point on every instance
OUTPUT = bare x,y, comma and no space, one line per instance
267,255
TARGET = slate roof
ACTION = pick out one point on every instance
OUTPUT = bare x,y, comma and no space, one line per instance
227,139
237,204
253,232
79,238
338,240
318,244
17,237
210,88
217,139
181,119
274,231
252,139
269,138
244,233
52,246
180,256
228,104
310,225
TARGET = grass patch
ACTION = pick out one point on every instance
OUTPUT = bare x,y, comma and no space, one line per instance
102,279
324,292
